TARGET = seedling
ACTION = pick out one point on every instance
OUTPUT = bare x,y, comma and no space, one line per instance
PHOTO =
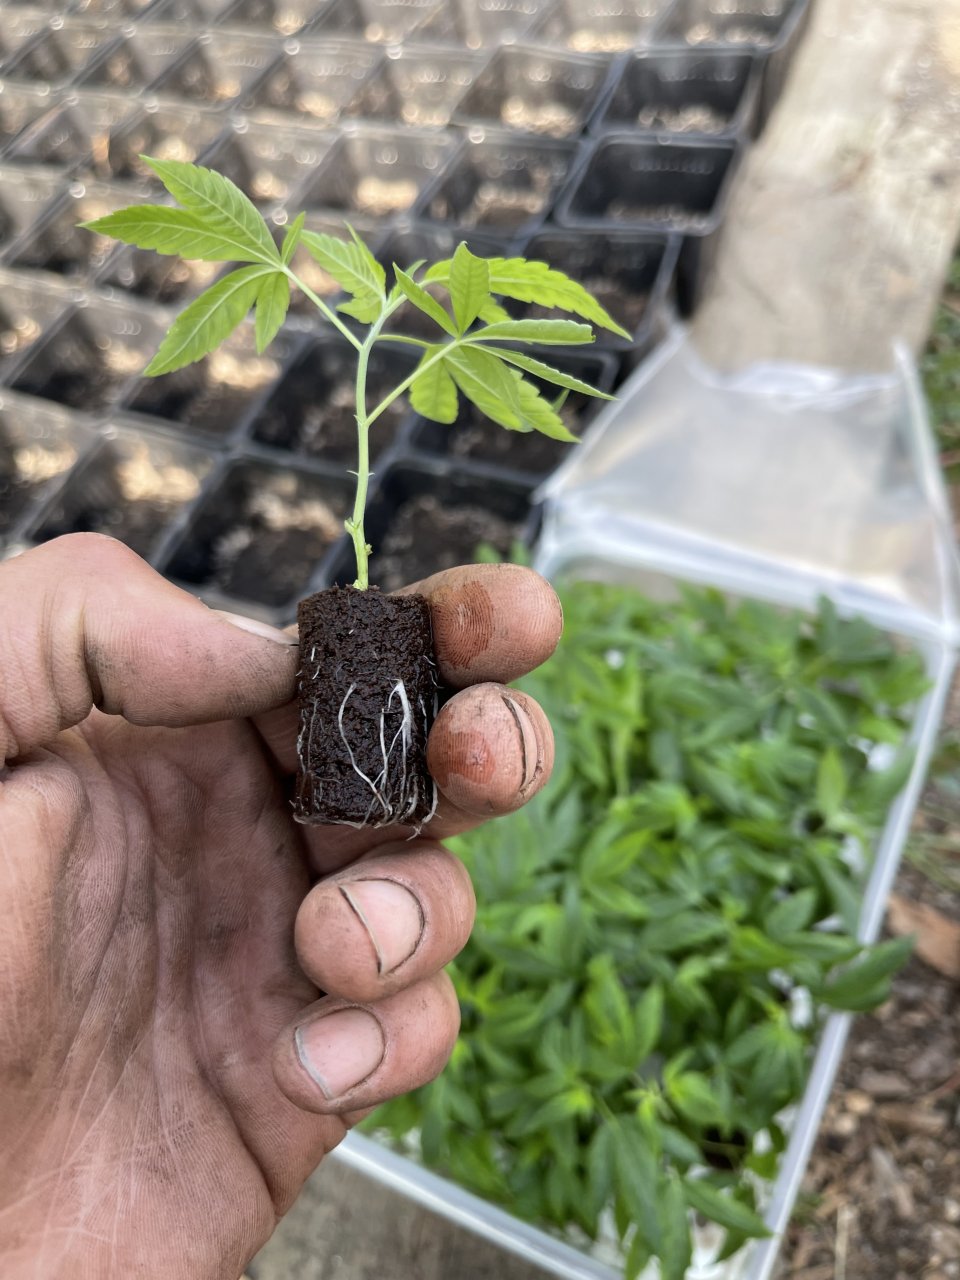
362,744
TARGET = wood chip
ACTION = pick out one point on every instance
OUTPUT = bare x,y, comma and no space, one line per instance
938,938
884,1084
890,1183
907,1119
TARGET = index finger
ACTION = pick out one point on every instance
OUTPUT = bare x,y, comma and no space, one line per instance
491,623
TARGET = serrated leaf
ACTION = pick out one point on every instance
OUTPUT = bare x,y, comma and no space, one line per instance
167,230
424,302
487,384
638,1256
676,1247
547,373
209,319
648,1021
539,282
867,974
491,312
354,268
831,784
292,238
792,915
469,286
723,1209
538,413
637,1176
554,333
220,204
272,303
433,393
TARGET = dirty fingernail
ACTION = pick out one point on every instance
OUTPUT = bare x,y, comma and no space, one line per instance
392,917
531,755
340,1050
256,628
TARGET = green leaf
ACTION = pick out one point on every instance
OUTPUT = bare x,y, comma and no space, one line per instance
548,374
676,1248
866,976
221,206
487,384
272,303
554,333
168,231
538,413
424,302
209,319
434,393
469,286
648,1021
600,1158
492,311
354,268
638,1256
723,1209
831,784
692,1095
792,915
637,1177
292,239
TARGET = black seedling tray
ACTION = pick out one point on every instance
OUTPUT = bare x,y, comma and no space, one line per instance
163,130
535,91
499,182
137,59
311,411
714,92
528,454
39,444
56,243
169,281
219,68
599,26
58,55
372,175
28,307
268,163
260,532
25,194
418,87
429,515
218,395
89,357
74,136
312,80
132,487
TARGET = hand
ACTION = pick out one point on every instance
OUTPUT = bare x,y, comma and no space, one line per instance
169,1071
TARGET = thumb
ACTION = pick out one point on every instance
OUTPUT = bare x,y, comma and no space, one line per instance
84,623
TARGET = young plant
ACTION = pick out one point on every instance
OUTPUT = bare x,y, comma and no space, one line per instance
367,683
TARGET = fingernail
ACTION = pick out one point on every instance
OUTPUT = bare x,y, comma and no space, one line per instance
257,628
392,917
340,1050
530,752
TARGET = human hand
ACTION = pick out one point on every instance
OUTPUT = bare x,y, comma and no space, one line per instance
170,1072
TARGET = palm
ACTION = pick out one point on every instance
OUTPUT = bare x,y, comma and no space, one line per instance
171,881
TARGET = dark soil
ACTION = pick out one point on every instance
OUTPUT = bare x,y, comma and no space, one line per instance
211,396
367,693
425,536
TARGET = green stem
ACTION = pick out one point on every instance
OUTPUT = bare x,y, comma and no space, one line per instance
327,311
355,524
410,342
405,385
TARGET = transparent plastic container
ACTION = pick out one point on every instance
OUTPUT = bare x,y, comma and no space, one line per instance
274,17
756,24
415,85
25,193
20,106
19,26
61,53
74,136
39,444
28,307
600,26
267,163
482,24
165,131
314,79
56,243
137,59
219,68
534,90
379,21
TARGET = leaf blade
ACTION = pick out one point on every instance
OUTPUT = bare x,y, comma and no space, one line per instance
433,393
220,204
423,301
469,286
723,1209
554,333
547,373
533,281
202,326
291,239
168,230
271,309
354,269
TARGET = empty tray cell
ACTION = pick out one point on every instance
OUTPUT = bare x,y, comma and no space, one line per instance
76,134
374,175
314,82
61,54
268,163
379,21
482,24
279,17
114,11
535,91
713,92
429,519
261,532
195,14
218,69
477,438
312,410
87,361
19,26
418,87
500,182
57,243
409,244
25,192
132,487
753,23
21,105
215,395
157,278
138,59
163,131
650,182
624,272
28,307
39,443
600,26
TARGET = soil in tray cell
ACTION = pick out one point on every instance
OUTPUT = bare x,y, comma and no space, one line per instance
534,91
38,444
169,281
131,489
312,411
499,186
219,69
58,244
167,133
260,534
415,88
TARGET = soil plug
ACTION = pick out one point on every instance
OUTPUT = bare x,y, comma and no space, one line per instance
368,677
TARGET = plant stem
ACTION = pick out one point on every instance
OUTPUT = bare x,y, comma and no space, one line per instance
405,385
355,524
327,311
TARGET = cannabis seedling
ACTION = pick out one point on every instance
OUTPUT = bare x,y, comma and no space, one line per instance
362,746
